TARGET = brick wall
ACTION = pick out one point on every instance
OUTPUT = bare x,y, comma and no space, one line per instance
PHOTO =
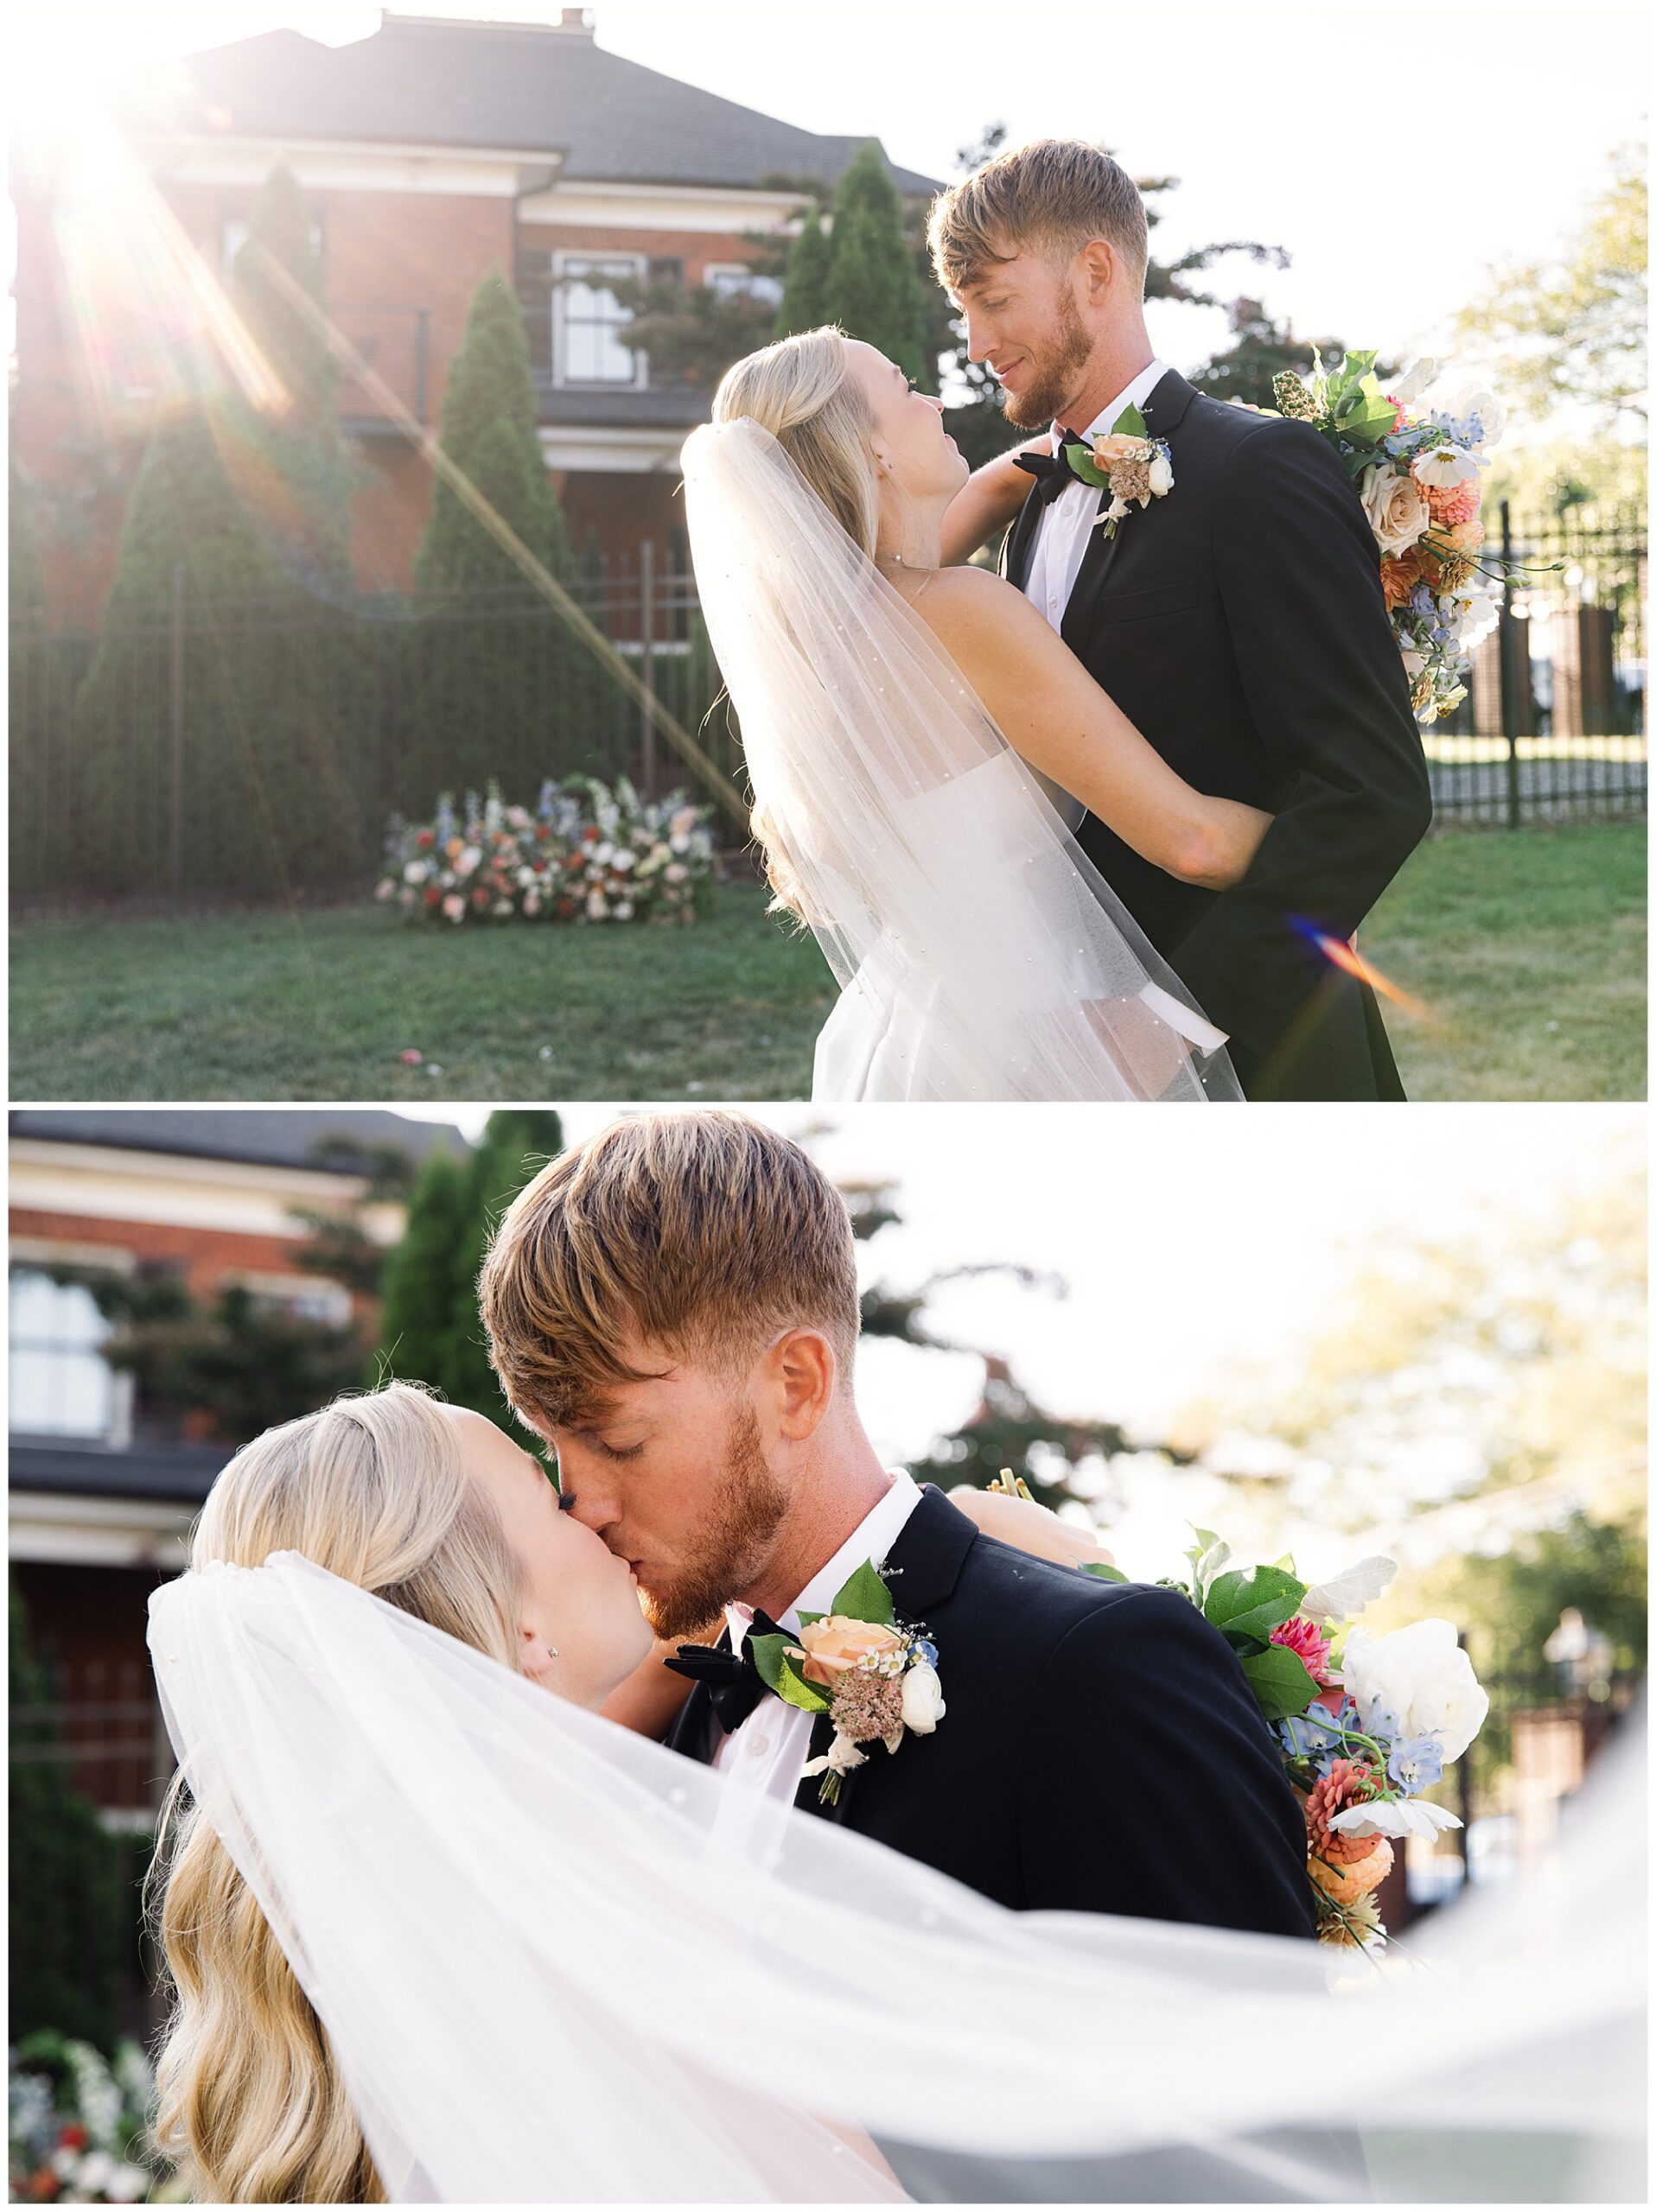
205,1255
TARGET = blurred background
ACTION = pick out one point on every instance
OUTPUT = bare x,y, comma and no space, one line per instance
1423,1334
267,258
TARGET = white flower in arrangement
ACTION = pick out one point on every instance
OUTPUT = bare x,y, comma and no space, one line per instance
386,888
623,909
532,904
1420,1675
1443,465
501,907
679,843
526,879
1400,1817
455,907
1478,611
597,905
602,854
677,871
624,859
471,857
1414,379
1478,414
1397,509
1161,476
922,1699
416,871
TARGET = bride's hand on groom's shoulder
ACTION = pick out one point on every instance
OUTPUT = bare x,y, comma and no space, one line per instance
1030,1528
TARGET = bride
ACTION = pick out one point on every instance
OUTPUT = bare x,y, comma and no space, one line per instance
438,1935
921,743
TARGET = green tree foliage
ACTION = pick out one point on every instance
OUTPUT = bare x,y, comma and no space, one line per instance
490,696
429,1331
1260,348
73,1885
25,575
805,280
872,290
1571,330
691,334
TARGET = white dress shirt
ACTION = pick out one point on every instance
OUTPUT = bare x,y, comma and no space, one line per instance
766,1755
1065,524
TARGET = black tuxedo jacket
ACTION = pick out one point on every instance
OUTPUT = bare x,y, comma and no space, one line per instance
1101,1751
1240,622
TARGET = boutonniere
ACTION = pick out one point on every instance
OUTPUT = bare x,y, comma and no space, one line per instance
1128,463
874,1676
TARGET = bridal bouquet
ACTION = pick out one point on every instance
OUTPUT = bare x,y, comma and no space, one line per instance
1366,1724
587,854
1416,469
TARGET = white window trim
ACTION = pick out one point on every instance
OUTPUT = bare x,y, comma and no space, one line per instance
563,255
283,1289
712,268
37,1255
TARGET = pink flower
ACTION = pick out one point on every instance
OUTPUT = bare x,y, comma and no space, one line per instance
1306,1640
410,1058
1456,503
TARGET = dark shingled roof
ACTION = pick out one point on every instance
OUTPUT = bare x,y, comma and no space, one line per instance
179,1473
284,1137
526,87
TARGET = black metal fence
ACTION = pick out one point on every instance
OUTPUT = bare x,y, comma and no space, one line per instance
1553,728
253,748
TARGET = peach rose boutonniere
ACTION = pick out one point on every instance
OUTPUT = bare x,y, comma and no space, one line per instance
875,1676
1128,463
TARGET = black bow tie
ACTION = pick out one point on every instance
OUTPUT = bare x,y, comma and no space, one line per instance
734,1681
1052,472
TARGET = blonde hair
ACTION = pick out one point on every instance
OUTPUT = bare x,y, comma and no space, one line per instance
704,1232
801,389
1053,195
373,1488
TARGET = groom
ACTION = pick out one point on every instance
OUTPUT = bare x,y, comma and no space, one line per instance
1239,619
674,1308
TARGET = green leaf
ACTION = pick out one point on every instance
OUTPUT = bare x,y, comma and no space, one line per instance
810,1620
1252,1601
865,1598
1085,467
779,1672
1130,423
1281,1681
1105,1573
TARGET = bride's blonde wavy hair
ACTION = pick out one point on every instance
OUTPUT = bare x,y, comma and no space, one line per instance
801,389
373,1488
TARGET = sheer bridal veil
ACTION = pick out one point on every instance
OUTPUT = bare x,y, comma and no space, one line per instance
548,1977
926,857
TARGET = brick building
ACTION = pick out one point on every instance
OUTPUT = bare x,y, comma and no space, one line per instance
428,153
101,1502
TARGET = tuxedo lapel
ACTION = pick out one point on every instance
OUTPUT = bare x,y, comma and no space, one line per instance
1162,411
691,1732
1019,546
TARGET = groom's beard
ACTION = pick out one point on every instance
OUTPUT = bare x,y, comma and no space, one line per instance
727,1554
1056,375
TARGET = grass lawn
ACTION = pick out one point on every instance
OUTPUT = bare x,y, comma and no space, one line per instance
1498,934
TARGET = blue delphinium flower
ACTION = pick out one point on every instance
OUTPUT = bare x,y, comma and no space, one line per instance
1416,1763
927,1653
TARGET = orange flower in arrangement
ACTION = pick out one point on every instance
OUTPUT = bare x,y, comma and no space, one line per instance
1348,1782
1399,574
1455,503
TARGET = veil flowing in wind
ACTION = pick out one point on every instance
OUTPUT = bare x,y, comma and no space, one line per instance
546,1978
980,953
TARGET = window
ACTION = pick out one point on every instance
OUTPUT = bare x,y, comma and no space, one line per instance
61,1385
734,279
587,320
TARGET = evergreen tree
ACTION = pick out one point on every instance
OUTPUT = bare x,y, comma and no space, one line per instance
429,1329
25,575
1260,348
872,289
805,279
504,700
40,841
74,1900
271,760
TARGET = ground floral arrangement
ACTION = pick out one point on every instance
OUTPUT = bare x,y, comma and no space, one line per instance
587,853
78,2125
1365,1724
1416,469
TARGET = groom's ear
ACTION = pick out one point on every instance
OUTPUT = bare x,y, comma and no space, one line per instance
801,1368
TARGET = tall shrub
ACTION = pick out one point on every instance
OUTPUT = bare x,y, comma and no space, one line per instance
872,287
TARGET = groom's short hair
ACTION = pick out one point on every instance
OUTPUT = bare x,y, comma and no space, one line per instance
701,1231
1052,195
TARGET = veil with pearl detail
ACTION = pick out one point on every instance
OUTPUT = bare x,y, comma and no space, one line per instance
548,1977
980,953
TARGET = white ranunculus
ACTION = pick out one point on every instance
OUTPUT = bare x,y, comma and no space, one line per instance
1161,476
469,859
1421,1675
922,1699
1401,1817
1414,380
1396,507
416,871
1479,400
1441,466
1344,1596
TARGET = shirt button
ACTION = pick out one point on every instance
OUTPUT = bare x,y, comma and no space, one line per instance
758,1747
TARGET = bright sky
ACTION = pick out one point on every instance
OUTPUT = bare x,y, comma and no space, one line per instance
1188,1251
1395,163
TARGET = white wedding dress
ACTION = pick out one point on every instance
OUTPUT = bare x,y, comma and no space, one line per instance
979,953
549,1977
